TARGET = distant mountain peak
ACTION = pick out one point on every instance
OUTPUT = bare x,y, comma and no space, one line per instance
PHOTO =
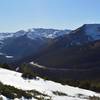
90,30
93,30
95,24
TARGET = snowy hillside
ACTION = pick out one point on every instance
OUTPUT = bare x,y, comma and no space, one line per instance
49,88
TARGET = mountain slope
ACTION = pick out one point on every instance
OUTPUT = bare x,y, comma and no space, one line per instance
77,53
79,47
55,90
14,46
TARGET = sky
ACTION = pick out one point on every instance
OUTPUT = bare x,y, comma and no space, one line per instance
59,14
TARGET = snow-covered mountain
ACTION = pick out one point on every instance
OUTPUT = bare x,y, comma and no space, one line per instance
50,89
35,33
15,45
91,30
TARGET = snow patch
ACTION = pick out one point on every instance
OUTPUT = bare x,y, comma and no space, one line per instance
5,35
9,57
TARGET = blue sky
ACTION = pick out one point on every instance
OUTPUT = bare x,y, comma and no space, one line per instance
61,14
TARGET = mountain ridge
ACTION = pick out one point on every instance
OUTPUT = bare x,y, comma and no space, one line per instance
37,39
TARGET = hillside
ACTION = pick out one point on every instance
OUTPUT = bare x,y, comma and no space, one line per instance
47,89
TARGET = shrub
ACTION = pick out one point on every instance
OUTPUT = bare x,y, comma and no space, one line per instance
12,92
59,93
5,66
27,72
